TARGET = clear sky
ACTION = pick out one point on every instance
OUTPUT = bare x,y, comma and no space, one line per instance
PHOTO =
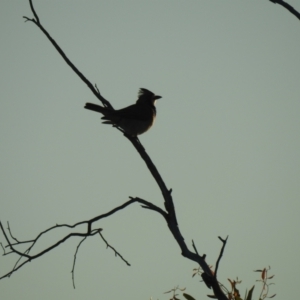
226,140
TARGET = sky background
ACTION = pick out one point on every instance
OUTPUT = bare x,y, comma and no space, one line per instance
226,140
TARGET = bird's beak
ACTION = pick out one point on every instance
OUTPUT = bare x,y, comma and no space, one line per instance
157,97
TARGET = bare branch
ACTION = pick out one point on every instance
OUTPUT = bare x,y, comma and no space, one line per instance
98,230
89,232
132,200
74,261
169,215
33,11
8,228
169,205
221,254
66,59
194,246
116,252
2,248
173,224
290,8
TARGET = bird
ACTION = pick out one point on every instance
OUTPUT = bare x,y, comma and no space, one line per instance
134,119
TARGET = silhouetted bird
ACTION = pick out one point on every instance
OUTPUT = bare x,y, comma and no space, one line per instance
134,119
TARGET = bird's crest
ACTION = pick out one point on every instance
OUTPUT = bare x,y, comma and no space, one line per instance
145,92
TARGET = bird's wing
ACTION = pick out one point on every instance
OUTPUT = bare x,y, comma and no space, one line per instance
132,112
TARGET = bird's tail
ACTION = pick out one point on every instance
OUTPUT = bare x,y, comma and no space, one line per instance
97,108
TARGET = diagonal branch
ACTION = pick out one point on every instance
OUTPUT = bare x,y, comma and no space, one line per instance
173,224
95,91
290,8
169,205
169,216
116,252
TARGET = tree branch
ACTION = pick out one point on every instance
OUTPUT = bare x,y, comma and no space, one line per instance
116,252
290,8
169,215
172,221
95,91
89,232
221,254
74,261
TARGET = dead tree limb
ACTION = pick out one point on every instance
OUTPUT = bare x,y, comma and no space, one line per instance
169,215
290,8
94,90
89,232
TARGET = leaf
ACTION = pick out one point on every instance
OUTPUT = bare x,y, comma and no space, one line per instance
272,296
188,297
249,296
211,296
271,277
257,270
236,291
263,274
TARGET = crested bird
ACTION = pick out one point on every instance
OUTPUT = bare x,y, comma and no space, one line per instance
134,119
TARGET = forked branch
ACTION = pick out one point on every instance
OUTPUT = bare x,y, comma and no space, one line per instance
169,215
13,245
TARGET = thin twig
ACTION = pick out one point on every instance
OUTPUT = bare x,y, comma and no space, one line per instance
194,246
132,200
34,13
3,249
89,232
73,268
221,254
66,59
116,252
8,228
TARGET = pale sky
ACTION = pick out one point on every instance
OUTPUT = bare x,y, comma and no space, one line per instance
226,140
